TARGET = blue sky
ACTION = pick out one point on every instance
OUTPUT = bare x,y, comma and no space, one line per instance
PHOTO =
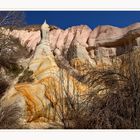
65,19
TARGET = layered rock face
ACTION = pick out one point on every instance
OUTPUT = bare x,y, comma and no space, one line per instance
102,42
39,103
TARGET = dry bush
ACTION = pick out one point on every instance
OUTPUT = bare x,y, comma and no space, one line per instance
12,19
10,49
26,77
113,101
106,106
10,116
131,68
3,86
10,52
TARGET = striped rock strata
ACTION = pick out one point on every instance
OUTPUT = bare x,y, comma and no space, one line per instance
39,104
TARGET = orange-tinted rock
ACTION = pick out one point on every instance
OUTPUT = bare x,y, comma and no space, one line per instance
40,101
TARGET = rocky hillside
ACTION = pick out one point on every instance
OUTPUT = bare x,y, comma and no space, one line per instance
103,41
44,69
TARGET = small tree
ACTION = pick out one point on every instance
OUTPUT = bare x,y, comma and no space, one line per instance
12,18
10,48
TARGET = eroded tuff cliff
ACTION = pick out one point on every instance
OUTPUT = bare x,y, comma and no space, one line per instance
51,68
103,41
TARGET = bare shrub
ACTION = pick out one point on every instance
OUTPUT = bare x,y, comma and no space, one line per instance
10,52
113,100
12,18
3,86
10,48
10,116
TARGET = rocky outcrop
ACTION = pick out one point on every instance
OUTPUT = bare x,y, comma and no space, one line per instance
103,41
40,102
42,99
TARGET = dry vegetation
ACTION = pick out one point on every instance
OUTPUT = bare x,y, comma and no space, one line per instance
113,101
10,49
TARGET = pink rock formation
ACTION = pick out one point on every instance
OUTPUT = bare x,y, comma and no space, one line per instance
107,37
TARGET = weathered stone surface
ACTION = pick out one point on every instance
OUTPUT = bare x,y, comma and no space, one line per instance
61,40
54,34
39,102
78,52
109,36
